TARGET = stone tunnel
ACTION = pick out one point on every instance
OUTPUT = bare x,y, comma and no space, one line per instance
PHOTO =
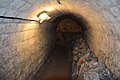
25,45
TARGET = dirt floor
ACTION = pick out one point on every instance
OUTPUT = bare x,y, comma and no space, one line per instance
57,66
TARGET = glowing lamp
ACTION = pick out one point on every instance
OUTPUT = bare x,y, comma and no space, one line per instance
43,16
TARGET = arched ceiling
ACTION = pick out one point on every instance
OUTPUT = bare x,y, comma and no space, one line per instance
93,11
30,8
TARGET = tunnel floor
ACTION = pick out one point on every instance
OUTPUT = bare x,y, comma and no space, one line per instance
56,67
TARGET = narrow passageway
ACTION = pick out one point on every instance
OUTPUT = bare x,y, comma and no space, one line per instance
59,39
72,59
56,67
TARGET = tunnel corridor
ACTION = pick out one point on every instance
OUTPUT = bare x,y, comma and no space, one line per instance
65,39
70,54
58,65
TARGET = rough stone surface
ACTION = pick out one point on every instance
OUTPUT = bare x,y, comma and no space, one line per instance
91,76
4,3
23,47
86,66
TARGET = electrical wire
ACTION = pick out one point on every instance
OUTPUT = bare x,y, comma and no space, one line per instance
5,17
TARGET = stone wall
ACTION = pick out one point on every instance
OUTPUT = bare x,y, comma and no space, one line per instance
23,47
102,19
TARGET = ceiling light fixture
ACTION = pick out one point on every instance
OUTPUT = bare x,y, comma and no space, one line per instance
43,16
